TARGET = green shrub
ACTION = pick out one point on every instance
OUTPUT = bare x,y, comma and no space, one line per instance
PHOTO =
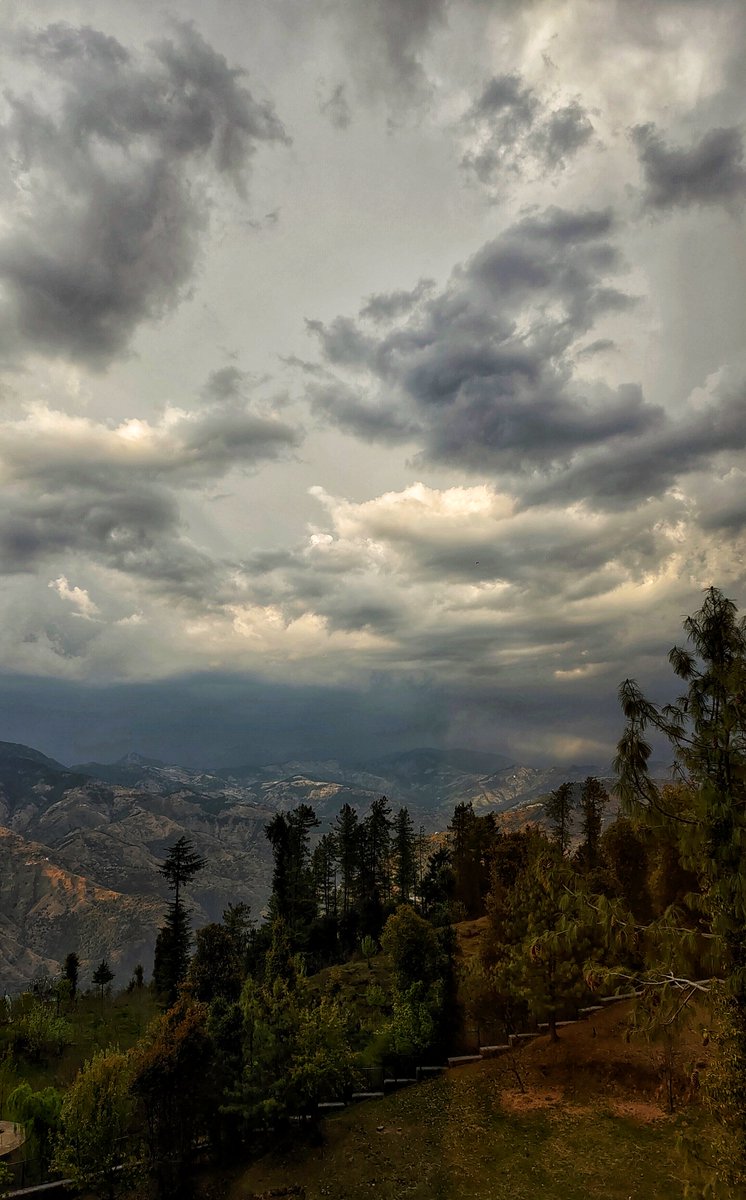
39,1034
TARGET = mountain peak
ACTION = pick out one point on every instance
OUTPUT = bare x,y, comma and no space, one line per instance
133,759
12,752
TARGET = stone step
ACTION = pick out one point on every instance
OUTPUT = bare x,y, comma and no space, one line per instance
494,1051
356,1096
544,1025
461,1060
590,1010
518,1039
331,1105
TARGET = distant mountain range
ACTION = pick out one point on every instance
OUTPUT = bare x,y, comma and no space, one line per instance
80,846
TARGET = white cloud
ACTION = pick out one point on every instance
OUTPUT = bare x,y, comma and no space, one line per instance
76,596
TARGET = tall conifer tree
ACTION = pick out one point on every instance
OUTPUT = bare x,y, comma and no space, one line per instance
706,728
172,947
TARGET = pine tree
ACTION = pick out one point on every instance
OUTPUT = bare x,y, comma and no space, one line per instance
437,887
558,808
102,977
173,1085
706,727
543,937
71,970
172,946
625,858
347,838
404,853
302,909
462,830
293,891
593,801
376,850
181,864
278,835
472,841
324,868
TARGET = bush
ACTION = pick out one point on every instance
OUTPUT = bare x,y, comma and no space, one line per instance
40,1033
375,997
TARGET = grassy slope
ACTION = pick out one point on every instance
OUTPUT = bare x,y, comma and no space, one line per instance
579,1120
120,1022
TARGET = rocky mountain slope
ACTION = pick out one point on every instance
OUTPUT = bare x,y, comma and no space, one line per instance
79,863
80,847
46,910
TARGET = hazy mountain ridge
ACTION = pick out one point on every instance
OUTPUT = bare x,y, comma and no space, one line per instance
429,781
81,846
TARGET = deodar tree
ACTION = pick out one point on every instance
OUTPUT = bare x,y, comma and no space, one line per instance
171,961
558,808
707,816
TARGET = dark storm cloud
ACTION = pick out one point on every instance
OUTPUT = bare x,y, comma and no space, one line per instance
599,346
509,129
214,720
480,374
506,92
710,171
51,450
106,229
138,532
353,411
337,108
550,553
635,470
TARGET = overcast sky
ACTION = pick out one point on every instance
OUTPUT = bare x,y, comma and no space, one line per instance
373,372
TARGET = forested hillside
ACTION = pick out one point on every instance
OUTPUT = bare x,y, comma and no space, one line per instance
363,973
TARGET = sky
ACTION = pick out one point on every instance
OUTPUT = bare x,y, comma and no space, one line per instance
372,375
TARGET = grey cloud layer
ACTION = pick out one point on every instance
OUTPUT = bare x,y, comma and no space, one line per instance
480,374
513,384
422,565
483,374
110,492
107,183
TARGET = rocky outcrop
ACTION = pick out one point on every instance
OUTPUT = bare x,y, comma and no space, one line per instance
48,910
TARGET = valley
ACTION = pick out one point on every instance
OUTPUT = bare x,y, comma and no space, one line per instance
80,846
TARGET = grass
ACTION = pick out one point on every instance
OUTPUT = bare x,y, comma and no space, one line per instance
452,1138
579,1120
119,1022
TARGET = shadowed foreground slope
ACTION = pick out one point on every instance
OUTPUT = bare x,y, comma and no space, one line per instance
575,1121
